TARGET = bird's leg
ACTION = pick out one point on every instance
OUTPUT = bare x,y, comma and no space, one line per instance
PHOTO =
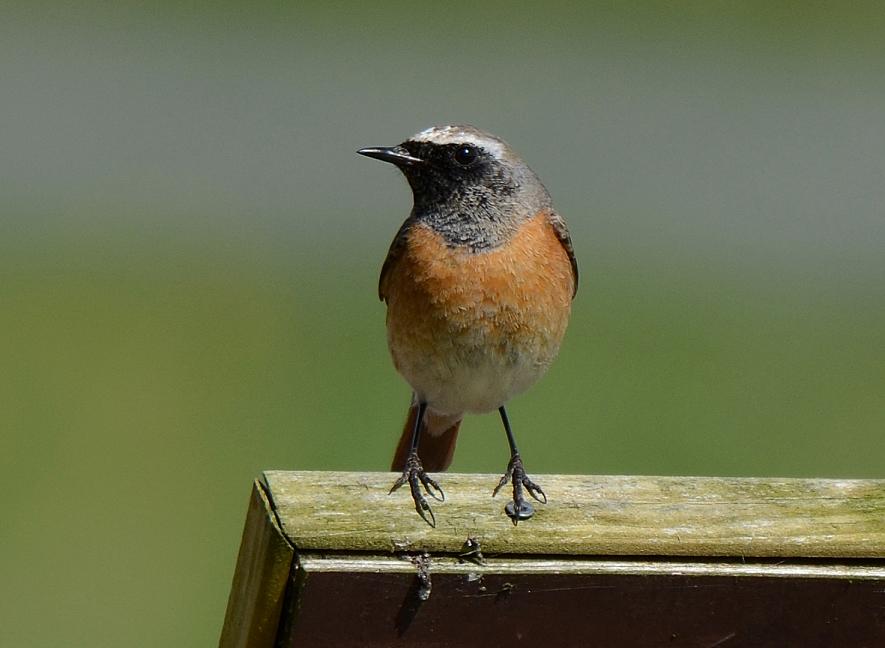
413,472
518,509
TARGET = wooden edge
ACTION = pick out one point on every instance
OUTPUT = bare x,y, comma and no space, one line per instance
259,583
357,563
589,515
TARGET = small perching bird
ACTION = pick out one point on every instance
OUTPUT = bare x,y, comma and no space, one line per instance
478,283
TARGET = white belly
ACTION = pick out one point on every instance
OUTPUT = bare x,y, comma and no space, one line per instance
473,380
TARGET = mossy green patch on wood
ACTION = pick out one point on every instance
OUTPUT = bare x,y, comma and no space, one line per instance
590,516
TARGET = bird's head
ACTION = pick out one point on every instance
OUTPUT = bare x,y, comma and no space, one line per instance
467,184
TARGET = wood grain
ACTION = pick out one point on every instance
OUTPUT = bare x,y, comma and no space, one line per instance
259,585
590,516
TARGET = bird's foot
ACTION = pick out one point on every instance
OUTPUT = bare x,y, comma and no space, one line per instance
414,474
519,508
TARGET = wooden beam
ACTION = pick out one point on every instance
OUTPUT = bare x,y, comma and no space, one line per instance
264,565
676,561
695,517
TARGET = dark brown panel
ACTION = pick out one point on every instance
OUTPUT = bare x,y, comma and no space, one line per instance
374,609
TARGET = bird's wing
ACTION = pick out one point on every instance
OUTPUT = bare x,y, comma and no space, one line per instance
561,230
393,254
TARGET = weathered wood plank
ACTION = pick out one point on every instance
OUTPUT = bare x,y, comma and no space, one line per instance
610,561
263,567
590,516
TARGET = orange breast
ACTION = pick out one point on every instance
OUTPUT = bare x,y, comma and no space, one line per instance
451,309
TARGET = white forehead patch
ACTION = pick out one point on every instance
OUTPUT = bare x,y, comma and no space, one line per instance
453,134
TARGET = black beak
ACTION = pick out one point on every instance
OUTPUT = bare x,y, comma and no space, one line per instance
394,154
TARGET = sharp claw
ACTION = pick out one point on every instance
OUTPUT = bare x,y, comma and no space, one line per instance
534,490
518,509
424,510
504,480
414,474
430,486
421,505
399,482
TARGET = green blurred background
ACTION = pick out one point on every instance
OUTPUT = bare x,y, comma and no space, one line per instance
189,250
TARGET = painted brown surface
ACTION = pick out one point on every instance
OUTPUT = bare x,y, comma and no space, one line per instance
485,608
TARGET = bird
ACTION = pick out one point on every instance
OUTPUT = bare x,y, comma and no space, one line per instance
478,282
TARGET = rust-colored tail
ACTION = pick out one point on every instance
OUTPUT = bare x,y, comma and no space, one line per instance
437,444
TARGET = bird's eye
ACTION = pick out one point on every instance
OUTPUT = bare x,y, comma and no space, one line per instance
465,155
